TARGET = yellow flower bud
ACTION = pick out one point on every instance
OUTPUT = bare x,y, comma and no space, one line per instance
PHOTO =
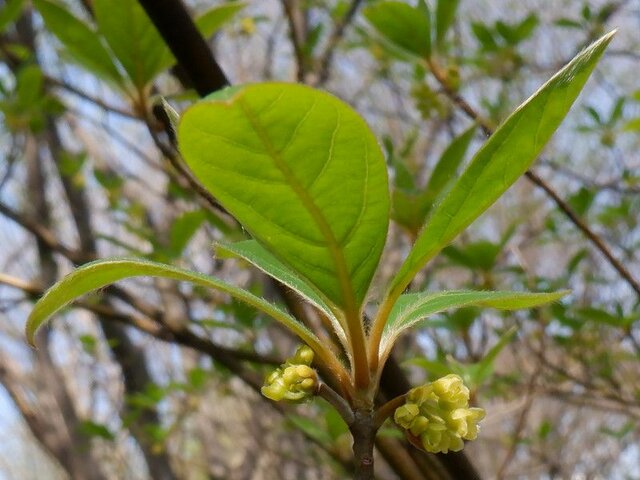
437,415
303,355
293,381
275,390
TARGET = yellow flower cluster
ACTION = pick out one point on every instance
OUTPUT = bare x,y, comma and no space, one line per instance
438,414
294,381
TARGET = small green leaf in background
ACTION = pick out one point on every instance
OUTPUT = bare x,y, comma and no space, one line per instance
402,26
183,229
504,157
304,175
80,40
132,37
411,205
445,15
474,374
10,13
213,19
93,429
446,169
514,34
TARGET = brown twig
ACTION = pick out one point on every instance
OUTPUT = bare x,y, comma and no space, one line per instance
386,410
295,22
324,69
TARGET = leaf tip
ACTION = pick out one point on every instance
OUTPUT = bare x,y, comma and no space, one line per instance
30,332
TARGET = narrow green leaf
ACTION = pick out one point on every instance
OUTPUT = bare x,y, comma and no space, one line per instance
304,175
501,161
80,40
101,273
132,37
413,307
403,26
445,15
254,253
484,36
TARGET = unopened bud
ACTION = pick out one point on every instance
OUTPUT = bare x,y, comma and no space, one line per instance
293,381
437,415
303,355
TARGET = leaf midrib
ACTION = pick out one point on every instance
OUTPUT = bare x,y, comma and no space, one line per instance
316,214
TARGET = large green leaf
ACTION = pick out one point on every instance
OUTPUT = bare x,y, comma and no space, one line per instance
411,308
304,175
80,40
101,273
501,161
132,37
402,26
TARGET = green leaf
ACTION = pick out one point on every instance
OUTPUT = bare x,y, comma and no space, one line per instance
93,429
132,38
304,175
311,428
213,19
480,255
10,13
183,229
414,307
403,26
80,40
96,275
484,36
473,374
258,256
445,15
505,156
410,205
446,168
482,370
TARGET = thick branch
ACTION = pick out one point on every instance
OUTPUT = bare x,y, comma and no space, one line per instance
181,35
